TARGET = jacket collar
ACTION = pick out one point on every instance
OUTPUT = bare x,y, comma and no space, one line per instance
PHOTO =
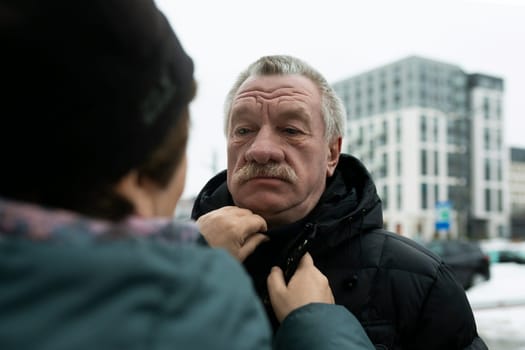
350,200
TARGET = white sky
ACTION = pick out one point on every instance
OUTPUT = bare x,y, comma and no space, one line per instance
341,38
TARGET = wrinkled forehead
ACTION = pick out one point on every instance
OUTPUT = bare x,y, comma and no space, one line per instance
271,84
277,94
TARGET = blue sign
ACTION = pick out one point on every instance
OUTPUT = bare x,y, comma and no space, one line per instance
443,213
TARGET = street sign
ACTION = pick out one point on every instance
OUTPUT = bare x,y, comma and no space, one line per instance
443,213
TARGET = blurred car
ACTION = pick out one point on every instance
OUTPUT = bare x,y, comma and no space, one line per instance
469,263
514,256
507,256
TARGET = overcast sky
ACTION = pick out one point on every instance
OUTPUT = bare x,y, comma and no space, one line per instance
341,38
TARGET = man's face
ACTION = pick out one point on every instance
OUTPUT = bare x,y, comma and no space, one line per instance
278,156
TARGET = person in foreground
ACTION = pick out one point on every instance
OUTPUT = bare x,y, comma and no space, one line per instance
94,127
288,190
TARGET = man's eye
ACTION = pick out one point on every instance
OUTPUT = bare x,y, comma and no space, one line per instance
291,131
242,131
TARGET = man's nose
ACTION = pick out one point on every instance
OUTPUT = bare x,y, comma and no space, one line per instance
265,147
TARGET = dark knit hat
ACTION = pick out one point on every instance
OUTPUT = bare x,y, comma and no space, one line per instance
90,87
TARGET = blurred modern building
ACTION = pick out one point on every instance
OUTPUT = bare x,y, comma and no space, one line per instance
432,136
517,192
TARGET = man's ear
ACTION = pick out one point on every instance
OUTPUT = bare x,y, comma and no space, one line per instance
334,150
137,192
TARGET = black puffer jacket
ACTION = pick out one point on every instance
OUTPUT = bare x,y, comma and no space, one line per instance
403,295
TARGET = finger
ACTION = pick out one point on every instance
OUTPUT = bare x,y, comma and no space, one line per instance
277,291
233,211
254,224
248,227
250,244
306,261
275,282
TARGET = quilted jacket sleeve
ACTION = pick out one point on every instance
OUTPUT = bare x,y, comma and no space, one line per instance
321,327
139,294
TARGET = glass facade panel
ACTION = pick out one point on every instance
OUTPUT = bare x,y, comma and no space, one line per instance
398,163
487,199
424,170
436,163
398,130
384,197
399,197
423,128
424,196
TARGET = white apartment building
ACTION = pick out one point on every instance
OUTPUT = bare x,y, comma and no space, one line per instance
421,126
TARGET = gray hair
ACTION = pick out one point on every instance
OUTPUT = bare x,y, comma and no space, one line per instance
332,108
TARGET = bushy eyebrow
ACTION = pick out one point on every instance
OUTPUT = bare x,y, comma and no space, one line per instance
285,112
296,113
241,108
240,112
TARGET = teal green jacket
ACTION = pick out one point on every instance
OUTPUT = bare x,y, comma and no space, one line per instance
91,285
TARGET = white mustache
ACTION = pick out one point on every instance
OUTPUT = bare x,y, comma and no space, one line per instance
252,170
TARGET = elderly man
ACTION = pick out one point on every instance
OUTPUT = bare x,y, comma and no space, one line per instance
289,190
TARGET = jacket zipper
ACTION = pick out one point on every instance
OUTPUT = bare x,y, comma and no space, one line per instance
295,255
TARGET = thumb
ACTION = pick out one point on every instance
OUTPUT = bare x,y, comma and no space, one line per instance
277,293
275,282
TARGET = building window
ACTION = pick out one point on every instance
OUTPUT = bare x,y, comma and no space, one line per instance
360,137
382,105
424,170
370,107
453,132
384,166
436,163
384,197
398,130
397,81
500,201
397,100
455,193
399,163
486,139
486,108
436,193
487,199
499,170
454,164
436,130
424,196
399,197
501,231
487,169
498,139
423,128
384,133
